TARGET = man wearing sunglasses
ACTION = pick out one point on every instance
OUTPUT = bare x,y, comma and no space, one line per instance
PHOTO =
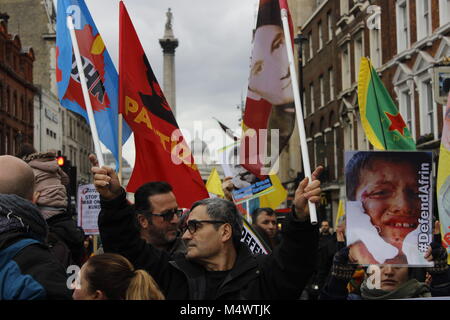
158,216
217,265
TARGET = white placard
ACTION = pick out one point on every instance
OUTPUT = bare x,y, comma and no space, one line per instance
88,203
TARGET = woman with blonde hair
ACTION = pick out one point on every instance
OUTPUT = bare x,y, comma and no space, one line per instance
112,277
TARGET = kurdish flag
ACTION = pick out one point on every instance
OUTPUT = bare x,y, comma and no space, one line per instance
381,120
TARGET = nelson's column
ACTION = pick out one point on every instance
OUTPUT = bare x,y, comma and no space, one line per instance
169,43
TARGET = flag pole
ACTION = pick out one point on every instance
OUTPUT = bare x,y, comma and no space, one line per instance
87,101
298,110
120,133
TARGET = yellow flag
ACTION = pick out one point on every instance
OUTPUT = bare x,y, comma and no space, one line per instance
340,213
275,198
214,184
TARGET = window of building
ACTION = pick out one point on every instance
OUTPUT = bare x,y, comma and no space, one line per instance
311,94
345,61
406,110
403,42
444,12
428,109
359,52
310,43
423,8
344,7
322,91
375,48
331,79
320,36
330,26
2,107
14,109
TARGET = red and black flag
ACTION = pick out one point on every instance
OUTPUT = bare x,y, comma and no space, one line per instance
162,153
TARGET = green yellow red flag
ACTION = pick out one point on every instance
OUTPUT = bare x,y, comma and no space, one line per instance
380,117
443,181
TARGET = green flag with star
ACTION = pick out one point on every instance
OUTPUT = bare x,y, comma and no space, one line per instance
380,117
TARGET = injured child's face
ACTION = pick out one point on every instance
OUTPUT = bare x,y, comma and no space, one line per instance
391,202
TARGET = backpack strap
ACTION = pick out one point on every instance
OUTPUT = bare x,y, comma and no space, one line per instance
13,284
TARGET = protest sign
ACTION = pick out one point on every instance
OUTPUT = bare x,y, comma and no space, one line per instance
248,188
251,238
88,208
389,206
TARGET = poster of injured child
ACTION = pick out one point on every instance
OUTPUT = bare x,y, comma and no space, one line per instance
389,206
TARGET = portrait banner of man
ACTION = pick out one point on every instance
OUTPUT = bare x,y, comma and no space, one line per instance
389,206
270,95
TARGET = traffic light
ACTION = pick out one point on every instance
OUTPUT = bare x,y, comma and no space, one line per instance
61,161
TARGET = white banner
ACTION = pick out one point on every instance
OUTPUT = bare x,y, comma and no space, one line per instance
88,202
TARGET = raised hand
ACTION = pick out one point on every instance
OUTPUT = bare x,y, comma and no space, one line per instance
105,180
307,191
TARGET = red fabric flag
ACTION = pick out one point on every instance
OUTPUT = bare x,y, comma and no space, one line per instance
270,95
162,154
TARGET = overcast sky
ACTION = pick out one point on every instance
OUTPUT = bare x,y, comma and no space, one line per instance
212,59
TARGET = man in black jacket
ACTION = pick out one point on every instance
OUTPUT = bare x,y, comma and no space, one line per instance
28,270
216,265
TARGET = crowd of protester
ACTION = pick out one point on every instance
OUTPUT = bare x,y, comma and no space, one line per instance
152,250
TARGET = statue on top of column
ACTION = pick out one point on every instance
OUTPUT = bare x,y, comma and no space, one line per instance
169,20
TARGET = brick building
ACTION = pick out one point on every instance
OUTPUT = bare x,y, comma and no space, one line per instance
405,43
54,126
16,91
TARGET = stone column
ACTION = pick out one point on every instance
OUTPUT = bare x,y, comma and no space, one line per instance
169,43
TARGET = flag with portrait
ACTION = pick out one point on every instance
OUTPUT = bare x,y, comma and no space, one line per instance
269,116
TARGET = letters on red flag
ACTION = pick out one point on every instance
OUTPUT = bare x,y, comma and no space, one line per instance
162,154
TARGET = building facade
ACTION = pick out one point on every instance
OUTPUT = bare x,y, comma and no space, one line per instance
55,128
405,40
16,90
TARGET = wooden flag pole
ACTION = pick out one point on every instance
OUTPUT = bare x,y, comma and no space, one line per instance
87,101
298,110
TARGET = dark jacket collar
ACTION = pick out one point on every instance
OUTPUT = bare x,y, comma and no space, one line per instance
196,274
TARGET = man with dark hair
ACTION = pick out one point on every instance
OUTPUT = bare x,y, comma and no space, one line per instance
216,265
265,222
158,216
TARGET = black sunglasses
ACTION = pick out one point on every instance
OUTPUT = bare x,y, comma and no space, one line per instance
168,215
193,225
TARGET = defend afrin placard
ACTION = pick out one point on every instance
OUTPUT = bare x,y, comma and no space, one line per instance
88,208
389,207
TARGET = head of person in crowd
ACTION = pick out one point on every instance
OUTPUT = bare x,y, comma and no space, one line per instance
395,282
157,214
270,77
25,150
213,233
111,276
387,185
266,220
16,177
325,227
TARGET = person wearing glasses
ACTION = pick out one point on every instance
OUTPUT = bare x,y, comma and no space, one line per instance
217,265
158,216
